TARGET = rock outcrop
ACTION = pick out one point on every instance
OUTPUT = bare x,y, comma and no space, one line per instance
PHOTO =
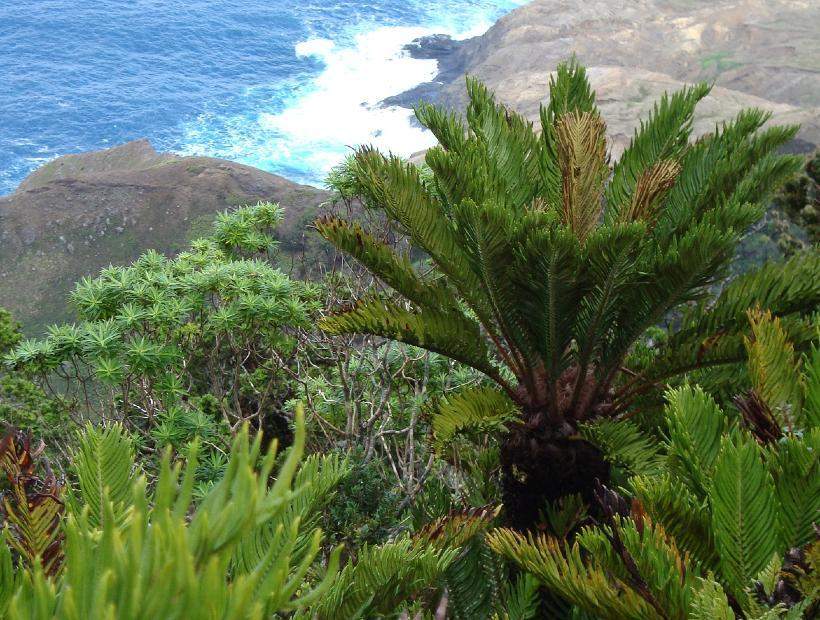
80,213
763,53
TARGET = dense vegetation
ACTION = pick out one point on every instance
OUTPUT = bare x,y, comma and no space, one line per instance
532,393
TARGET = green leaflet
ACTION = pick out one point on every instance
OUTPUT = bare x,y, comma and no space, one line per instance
742,499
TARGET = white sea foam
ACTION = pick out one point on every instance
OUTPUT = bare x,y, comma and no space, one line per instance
341,108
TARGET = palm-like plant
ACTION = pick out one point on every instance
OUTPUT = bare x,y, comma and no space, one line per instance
548,265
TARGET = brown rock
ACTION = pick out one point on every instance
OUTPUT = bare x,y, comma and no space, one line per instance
80,213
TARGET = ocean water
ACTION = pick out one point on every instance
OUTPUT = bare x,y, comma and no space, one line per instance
285,85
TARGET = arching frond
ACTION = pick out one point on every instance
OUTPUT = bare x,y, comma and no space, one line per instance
472,410
382,578
450,334
104,466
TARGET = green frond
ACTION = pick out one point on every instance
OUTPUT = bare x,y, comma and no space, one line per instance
743,501
569,91
683,515
520,599
811,381
710,603
696,425
485,232
548,291
379,258
445,125
381,578
663,136
450,334
565,571
103,464
713,335
8,575
397,187
625,445
511,149
472,410
795,467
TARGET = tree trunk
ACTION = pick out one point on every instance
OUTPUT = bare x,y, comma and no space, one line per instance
542,465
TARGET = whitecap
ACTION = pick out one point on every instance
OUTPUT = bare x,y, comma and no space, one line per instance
319,122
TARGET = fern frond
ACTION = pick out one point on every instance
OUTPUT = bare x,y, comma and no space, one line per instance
625,445
103,463
382,578
472,410
742,499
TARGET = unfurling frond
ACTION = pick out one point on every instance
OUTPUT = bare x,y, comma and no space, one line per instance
664,136
650,190
773,367
582,160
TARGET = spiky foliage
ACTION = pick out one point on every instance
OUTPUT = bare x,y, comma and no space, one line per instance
720,525
548,266
31,504
183,347
167,561
23,405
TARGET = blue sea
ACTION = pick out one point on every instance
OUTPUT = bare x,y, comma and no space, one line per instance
284,85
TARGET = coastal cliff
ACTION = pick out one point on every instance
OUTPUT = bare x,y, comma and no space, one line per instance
762,53
81,213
